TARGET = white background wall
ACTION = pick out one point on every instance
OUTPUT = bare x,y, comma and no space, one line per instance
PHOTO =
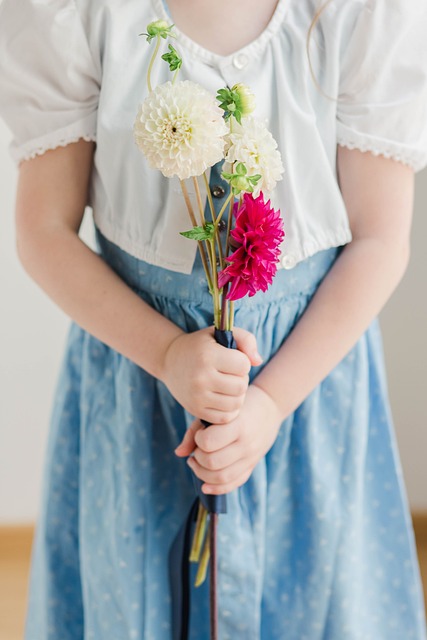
31,344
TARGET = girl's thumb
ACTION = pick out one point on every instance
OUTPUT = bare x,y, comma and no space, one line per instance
188,444
246,342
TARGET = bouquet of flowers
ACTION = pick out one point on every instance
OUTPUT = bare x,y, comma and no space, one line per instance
183,130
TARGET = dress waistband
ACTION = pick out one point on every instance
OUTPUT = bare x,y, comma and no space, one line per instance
145,278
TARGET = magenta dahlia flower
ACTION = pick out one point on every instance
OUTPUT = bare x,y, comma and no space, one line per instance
257,234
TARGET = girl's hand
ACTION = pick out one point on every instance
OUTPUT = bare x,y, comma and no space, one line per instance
224,456
207,379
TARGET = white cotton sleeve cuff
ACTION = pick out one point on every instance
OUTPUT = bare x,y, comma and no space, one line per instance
84,129
405,153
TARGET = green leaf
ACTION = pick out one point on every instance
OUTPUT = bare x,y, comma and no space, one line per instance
206,232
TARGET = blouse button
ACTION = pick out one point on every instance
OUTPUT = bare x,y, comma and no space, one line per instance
218,191
288,262
240,61
222,225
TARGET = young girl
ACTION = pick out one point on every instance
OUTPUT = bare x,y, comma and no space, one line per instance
317,543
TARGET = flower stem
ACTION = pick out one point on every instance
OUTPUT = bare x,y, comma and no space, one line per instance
224,309
200,244
223,208
199,534
230,212
199,200
231,316
217,306
150,66
175,75
204,561
213,576
229,222
213,216
220,251
209,196
217,243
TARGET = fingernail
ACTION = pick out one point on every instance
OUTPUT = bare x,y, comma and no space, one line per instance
190,462
206,489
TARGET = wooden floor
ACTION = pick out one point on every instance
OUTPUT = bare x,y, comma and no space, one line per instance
15,551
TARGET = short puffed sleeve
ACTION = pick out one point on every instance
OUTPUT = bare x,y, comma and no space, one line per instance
382,105
49,80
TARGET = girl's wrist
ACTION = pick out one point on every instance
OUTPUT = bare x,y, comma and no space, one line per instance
275,409
161,362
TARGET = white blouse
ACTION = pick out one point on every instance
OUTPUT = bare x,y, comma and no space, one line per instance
73,69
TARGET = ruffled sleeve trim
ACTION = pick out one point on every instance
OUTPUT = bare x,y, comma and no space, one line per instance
414,158
84,129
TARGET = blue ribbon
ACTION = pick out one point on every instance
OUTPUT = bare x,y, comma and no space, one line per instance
179,576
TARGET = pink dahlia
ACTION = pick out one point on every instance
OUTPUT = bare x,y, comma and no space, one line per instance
257,234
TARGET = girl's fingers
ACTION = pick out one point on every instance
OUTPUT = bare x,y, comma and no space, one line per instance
230,385
219,459
221,402
224,477
232,362
223,481
187,445
246,342
217,436
220,489
213,416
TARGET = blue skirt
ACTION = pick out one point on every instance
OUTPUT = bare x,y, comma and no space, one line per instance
317,545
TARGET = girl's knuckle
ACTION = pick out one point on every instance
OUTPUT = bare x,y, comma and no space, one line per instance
231,415
242,386
210,463
245,365
205,440
219,490
223,477
222,417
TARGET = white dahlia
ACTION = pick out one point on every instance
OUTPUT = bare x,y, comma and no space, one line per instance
252,143
180,129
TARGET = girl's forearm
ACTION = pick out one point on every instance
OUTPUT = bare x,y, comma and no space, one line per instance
349,298
206,379
89,291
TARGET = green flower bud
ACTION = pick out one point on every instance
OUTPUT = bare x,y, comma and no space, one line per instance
158,28
240,181
237,101
172,58
246,99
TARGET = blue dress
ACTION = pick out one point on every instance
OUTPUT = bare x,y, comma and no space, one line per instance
317,545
